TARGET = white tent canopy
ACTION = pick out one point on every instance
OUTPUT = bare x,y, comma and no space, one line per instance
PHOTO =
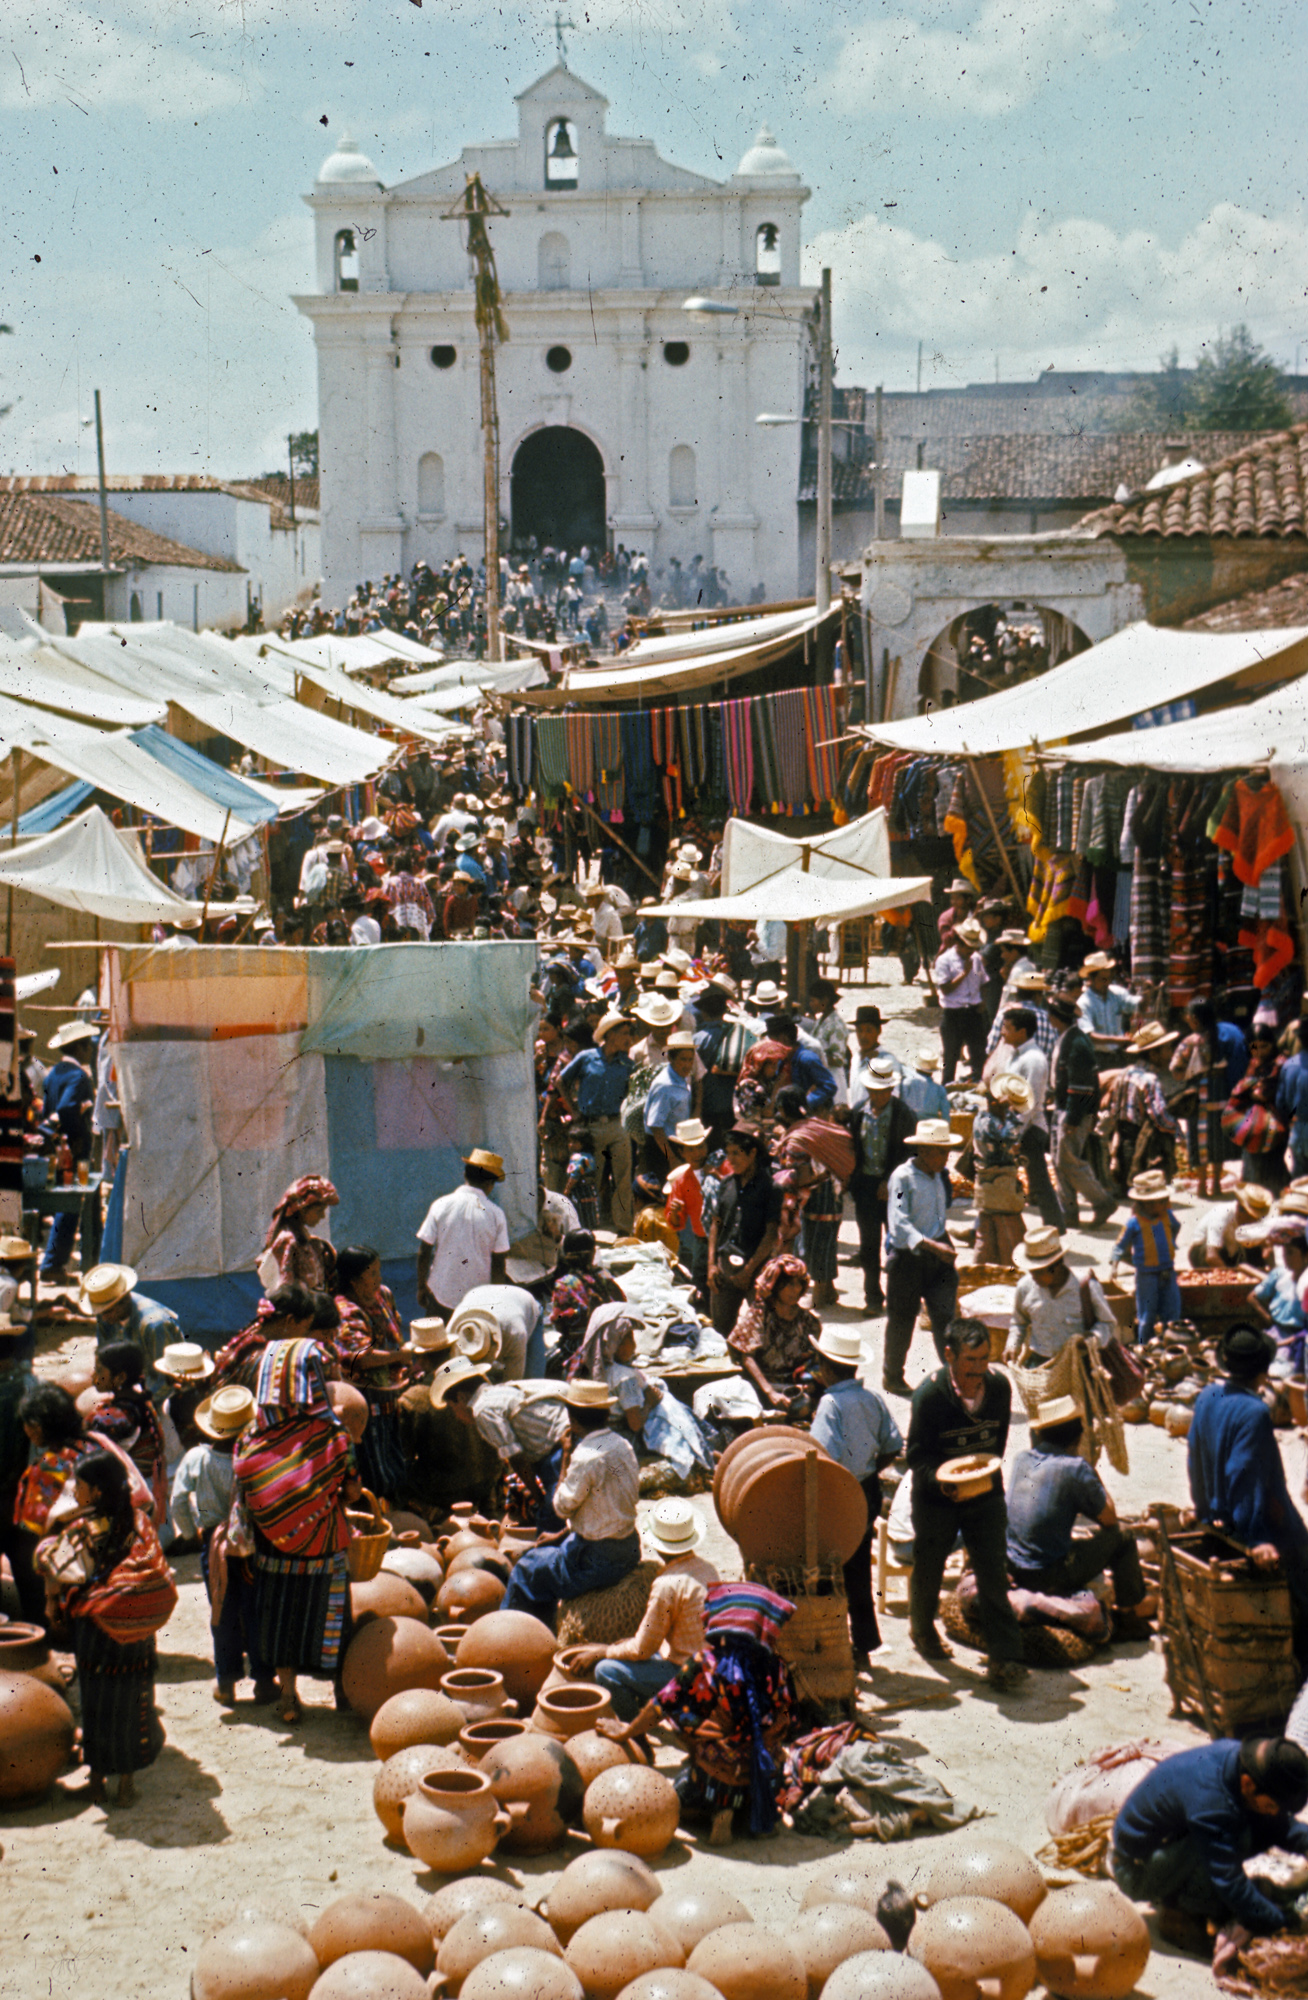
86,865
360,652
796,898
1139,668
704,667
268,654
38,674
720,638
1271,731
751,854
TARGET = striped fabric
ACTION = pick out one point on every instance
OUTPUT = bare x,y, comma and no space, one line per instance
136,1598
11,1105
291,1478
578,738
823,752
301,1609
551,757
748,1608
665,739
738,746
788,731
609,788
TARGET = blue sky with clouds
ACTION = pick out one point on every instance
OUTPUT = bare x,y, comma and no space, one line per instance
1076,182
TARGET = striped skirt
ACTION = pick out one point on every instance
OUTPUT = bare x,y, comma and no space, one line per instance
303,1609
121,1730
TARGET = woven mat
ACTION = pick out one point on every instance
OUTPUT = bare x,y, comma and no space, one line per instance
1042,1645
602,1616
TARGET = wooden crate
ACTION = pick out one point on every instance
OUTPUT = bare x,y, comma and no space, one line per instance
1240,1622
814,1641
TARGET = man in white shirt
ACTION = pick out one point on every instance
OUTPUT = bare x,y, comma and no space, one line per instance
1050,1304
960,974
529,1430
605,918
464,1238
1025,1056
596,1495
672,1630
503,1325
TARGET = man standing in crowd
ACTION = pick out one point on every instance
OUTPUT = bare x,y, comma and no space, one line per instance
922,1258
1076,1101
593,1086
881,1126
959,974
1026,1058
463,1239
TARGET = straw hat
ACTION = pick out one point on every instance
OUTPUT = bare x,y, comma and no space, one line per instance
933,1132
1255,1201
681,871
674,1528
225,1413
74,1031
490,1163
15,1250
450,1374
727,984
680,961
958,887
1038,1249
428,1336
626,960
476,1332
928,1059
667,980
1293,1202
839,1343
1153,1035
1010,1088
768,994
1058,1410
656,1012
1018,939
466,843
966,1478
969,932
607,1023
1152,1186
681,1040
692,1132
1098,961
185,1361
1030,982
104,1284
580,1394
881,1073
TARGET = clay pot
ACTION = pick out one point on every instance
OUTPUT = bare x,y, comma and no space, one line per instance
377,1921
36,1737
416,1567
740,1445
387,1657
371,1975
611,1950
498,1927
880,1975
478,1692
669,1982
983,1865
567,1670
386,1596
593,1753
228,1910
521,1974
539,1786
515,1542
463,1538
1178,1420
826,1934
255,1960
468,1595
476,1738
492,1560
767,1519
970,1939
1091,1943
690,1914
632,1807
25,1649
518,1644
457,1900
596,1882
402,1774
419,1715
750,1962
450,1637
854,1878
567,1711
405,1522
453,1820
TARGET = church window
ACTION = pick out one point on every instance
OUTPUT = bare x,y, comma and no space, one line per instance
443,357
431,483
554,262
681,477
561,162
767,254
347,261
558,360
676,353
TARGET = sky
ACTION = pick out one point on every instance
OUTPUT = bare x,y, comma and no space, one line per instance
1014,184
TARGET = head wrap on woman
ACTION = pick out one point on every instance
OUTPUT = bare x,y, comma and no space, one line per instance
606,1330
307,1192
764,1051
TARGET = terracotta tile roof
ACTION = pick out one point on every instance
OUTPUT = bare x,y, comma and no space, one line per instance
51,529
278,487
261,490
1281,604
1259,490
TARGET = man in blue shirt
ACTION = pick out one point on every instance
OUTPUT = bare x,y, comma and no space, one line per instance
856,1428
1237,1480
68,1098
807,1068
1292,1098
922,1090
922,1258
593,1087
1049,1488
468,864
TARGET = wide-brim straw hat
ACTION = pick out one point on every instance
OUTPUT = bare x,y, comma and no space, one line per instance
15,1249
966,1478
1099,961
682,1039
1152,1186
580,1394
490,1163
226,1413
676,959
958,887
768,994
933,1132
608,1022
1058,1410
692,1132
1038,1249
674,1528
1018,939
969,932
185,1361
881,1073
476,1332
1030,982
667,980
104,1284
1153,1035
428,1336
449,1375
1254,1200
74,1031
1009,1087
656,1012
839,1343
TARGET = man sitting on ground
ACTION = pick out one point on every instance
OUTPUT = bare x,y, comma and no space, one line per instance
1049,1488
596,1496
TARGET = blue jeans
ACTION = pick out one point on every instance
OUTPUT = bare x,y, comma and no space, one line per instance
548,1470
1176,1876
237,1632
631,1683
59,1244
569,1568
1157,1300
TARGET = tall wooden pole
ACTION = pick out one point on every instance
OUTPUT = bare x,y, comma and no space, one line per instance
473,207
104,512
16,769
823,579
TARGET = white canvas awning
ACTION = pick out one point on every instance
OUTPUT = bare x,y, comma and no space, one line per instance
1271,731
1140,668
720,638
752,854
707,666
335,683
796,898
87,865
360,652
502,677
40,675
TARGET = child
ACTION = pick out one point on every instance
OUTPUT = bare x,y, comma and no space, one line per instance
685,1202
1277,1300
53,1428
1149,1240
204,1486
581,1188
128,1419
856,1428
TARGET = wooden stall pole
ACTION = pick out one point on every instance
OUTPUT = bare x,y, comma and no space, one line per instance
994,828
213,872
16,769
617,840
810,1515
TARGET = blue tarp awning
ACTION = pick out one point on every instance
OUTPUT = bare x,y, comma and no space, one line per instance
52,812
223,787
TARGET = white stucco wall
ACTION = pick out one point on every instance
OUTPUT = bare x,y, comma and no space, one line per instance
279,563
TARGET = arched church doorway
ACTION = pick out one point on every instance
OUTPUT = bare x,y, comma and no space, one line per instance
994,646
557,490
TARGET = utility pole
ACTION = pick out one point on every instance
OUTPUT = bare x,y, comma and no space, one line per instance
104,507
473,207
878,488
823,592
290,460
919,368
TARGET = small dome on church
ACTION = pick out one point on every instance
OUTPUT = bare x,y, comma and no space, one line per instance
347,163
766,159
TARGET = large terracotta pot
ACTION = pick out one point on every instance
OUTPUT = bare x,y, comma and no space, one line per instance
36,1737
632,1807
880,1975
498,1927
377,1921
593,1753
387,1657
567,1670
1091,1943
416,1567
515,1542
478,1692
457,1900
405,1522
476,1738
596,1882
255,1960
522,1648
450,1637
750,1962
521,1974
25,1649
826,1934
402,1774
468,1595
539,1786
493,1560
371,1975
567,1711
351,1406
974,1947
418,1715
690,1914
854,1877
669,1982
611,1950
981,1864
740,1445
463,1538
453,1820
386,1596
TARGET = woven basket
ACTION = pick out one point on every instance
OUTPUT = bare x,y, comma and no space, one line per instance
814,1641
370,1537
602,1616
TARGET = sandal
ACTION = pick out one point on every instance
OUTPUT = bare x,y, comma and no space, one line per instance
292,1711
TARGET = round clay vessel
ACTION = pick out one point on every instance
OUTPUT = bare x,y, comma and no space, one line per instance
765,1449
405,1522
402,1774
449,1636
476,1738
255,1960
742,1444
690,1914
595,1882
826,1934
416,1567
768,1517
36,1737
452,1820
611,1950
981,1864
376,1921
463,1538
969,1939
853,1877
22,1647
540,1788
632,1807
567,1711
228,1910
418,1715
371,1975
880,1975
750,1962
669,1982
456,1900
515,1542
521,1974
593,1753
387,1657
478,1692
497,1927
491,1560
386,1596
519,1645
1091,1943
469,1595
567,1670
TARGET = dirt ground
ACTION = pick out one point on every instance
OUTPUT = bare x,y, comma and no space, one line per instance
238,1807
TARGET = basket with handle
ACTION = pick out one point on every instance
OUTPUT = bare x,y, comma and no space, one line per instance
370,1537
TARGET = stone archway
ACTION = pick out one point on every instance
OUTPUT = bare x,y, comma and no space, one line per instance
557,491
993,646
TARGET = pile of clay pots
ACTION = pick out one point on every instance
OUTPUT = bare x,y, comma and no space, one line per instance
759,1493
1178,1364
36,1723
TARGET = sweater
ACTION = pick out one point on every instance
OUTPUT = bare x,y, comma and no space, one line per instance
940,1428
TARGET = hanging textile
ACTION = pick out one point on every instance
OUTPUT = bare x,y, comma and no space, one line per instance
580,744
1255,829
638,769
767,774
551,757
738,748
608,765
519,746
788,741
823,752
665,739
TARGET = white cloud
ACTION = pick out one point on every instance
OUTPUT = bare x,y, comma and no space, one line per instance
1000,62
75,57
1074,293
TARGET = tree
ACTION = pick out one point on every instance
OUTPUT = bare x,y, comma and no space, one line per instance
304,454
1158,402
1236,387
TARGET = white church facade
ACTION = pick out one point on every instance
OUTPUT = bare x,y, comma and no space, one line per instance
623,418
